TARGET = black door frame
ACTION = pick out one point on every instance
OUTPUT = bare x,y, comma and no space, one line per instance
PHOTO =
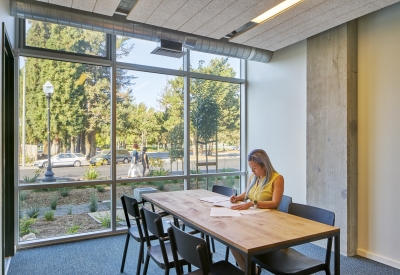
8,139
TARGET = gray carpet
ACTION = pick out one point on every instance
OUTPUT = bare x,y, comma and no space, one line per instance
102,256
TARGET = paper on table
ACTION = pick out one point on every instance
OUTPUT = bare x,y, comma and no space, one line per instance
215,199
224,212
252,210
227,204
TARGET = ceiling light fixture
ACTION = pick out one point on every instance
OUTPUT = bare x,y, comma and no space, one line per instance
275,10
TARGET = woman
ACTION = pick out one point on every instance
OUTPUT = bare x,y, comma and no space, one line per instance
134,169
264,190
145,162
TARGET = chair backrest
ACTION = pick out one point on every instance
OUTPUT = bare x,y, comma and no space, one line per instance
318,215
312,213
284,205
130,207
191,248
152,222
223,190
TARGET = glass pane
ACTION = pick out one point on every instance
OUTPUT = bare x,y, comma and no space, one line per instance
64,38
53,212
215,126
138,51
206,63
208,183
79,120
150,115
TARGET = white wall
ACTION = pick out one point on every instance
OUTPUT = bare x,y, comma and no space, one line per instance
9,22
276,120
379,135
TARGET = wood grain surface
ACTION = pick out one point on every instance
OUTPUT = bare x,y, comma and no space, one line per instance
248,233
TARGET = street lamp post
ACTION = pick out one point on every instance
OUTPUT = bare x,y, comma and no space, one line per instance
49,175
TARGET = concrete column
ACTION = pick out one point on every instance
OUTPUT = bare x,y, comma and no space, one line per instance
332,128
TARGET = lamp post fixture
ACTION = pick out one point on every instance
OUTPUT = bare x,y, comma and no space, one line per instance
48,90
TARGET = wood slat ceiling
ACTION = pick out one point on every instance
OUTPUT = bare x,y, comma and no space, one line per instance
217,18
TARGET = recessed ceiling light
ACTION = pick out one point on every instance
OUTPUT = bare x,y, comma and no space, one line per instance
275,10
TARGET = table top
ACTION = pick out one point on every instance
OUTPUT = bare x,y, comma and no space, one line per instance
249,233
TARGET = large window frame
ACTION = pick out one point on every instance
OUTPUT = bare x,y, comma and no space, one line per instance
110,61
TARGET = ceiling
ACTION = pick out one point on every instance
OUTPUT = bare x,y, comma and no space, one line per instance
219,18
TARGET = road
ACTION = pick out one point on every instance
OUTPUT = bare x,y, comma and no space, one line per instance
228,160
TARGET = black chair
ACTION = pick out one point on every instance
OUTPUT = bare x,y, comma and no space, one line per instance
195,251
289,261
130,206
284,205
227,191
161,253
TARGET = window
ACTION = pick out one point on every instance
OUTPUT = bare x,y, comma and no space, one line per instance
64,38
90,119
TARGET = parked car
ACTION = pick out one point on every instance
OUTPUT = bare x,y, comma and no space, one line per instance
105,155
65,159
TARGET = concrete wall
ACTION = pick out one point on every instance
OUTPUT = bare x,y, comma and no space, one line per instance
9,22
276,121
379,135
332,128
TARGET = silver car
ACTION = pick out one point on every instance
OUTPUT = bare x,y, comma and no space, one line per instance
65,159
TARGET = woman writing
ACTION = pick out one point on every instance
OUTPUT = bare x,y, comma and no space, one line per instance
264,190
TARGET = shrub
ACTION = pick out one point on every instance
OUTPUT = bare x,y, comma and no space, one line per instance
64,192
25,226
32,179
105,221
91,173
69,211
100,188
49,216
53,203
160,185
23,195
93,203
73,229
32,211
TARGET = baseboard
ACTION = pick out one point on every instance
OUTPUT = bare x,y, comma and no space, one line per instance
378,258
7,262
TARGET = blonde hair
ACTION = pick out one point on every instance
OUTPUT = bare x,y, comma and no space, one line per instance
260,157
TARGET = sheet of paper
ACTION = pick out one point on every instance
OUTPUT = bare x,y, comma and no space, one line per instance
252,210
223,212
227,203
215,199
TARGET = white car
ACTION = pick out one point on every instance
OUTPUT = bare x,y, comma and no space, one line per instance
66,159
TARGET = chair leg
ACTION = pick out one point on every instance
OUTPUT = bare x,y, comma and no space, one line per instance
327,271
227,254
124,255
166,271
189,268
146,264
140,258
213,245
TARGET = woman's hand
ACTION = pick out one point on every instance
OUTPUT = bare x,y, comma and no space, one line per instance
242,206
233,198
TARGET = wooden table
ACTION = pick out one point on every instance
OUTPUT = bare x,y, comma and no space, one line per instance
248,234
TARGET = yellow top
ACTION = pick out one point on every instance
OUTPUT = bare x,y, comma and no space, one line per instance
257,193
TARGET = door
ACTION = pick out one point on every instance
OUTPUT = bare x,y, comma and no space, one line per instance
7,145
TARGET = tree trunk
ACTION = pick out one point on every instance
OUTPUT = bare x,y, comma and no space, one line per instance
91,144
82,143
72,144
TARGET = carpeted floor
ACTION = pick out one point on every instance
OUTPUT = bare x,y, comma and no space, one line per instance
102,256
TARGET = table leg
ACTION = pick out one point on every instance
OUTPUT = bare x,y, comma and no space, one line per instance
249,267
337,254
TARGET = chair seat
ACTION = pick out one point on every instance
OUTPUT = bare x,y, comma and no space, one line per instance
288,261
155,253
134,232
220,268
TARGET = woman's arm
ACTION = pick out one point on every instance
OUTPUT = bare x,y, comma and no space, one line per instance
241,196
276,197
